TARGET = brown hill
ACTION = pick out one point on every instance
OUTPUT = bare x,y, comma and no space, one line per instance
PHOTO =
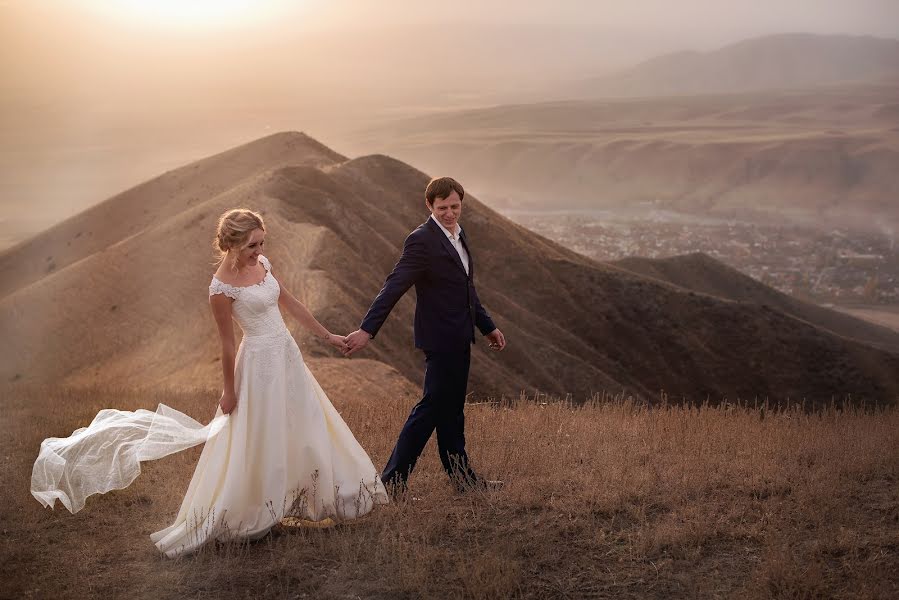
126,214
824,155
778,61
702,273
133,309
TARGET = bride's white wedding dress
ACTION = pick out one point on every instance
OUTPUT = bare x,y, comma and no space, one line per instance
283,451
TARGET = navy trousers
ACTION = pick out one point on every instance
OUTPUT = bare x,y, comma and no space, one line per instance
442,408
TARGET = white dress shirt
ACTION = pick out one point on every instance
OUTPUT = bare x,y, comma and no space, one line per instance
456,241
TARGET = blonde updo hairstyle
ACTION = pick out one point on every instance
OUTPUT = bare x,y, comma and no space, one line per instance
234,229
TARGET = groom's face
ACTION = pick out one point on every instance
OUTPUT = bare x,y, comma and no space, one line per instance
447,210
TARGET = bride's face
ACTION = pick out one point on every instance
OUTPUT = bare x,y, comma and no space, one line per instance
248,256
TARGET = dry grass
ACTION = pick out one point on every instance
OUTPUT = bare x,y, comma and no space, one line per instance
607,500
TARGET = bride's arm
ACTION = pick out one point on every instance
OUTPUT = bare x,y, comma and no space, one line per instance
298,310
221,310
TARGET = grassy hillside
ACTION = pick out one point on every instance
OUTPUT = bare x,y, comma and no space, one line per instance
608,500
702,273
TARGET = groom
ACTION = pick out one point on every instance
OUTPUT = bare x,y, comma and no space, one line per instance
436,259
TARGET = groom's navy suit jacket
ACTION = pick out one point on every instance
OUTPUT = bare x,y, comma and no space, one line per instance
447,307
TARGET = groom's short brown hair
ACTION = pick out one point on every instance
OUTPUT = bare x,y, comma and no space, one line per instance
441,187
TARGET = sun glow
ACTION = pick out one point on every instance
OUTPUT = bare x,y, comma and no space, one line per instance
192,13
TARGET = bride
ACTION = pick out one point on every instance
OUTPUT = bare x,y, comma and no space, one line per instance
276,446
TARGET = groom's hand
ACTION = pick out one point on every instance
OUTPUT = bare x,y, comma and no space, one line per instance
496,339
356,341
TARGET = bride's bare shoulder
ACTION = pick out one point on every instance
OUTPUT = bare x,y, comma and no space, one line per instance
223,274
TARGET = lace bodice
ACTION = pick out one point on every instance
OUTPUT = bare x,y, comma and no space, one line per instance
255,307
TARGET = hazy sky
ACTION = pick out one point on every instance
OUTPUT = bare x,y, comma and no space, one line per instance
117,50
735,17
90,88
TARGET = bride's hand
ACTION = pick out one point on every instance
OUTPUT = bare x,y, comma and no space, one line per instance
337,341
228,402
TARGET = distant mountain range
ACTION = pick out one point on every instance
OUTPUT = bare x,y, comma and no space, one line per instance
116,295
797,127
774,62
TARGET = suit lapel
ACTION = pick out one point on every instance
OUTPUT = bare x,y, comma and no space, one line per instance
432,225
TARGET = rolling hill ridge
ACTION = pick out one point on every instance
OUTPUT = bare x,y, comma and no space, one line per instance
128,304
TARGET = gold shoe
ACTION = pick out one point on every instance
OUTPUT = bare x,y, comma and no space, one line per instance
325,523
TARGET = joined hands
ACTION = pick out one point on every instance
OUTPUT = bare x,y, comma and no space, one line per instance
337,341
356,341
360,338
